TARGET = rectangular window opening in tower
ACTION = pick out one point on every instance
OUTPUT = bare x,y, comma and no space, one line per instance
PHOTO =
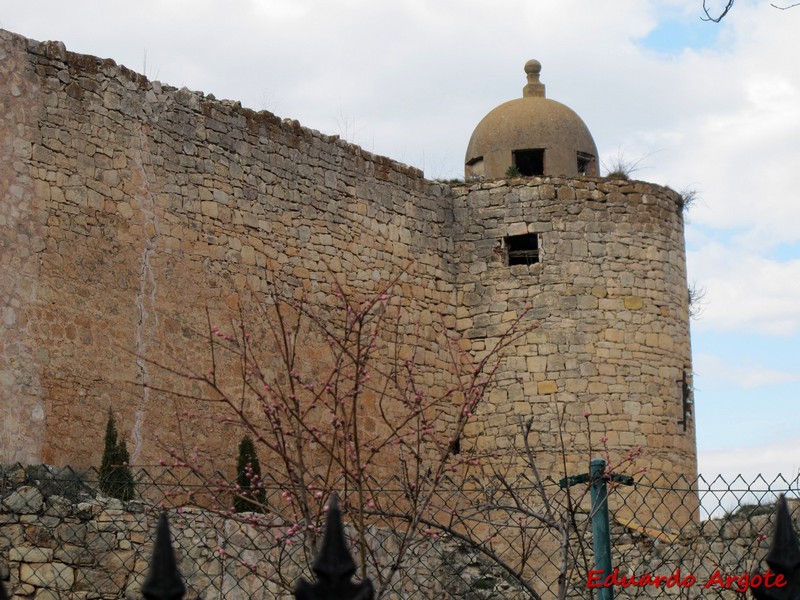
587,165
687,393
529,162
522,249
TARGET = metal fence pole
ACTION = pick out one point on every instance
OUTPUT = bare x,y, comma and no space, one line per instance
334,565
600,527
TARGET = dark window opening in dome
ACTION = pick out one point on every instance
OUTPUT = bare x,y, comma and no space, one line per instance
587,165
529,162
522,249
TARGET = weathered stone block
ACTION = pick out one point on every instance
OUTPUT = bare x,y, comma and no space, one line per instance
30,554
52,575
547,387
634,303
26,499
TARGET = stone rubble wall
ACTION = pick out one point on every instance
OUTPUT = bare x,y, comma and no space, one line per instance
59,538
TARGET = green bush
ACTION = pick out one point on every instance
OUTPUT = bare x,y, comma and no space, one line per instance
116,478
251,495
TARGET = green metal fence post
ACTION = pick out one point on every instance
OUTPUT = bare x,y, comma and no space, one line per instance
600,528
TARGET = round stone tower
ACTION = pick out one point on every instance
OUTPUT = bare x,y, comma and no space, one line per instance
598,268
532,135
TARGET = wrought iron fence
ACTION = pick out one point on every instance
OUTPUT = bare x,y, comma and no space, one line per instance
482,538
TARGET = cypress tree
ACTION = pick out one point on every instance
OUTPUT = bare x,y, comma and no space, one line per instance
251,495
109,448
116,478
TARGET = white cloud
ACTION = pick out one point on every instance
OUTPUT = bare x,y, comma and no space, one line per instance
716,372
746,292
768,460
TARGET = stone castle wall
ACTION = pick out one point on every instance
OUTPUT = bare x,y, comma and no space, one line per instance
129,208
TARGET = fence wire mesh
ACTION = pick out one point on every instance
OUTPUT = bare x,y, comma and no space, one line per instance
60,537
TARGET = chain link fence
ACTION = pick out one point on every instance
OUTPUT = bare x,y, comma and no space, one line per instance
477,538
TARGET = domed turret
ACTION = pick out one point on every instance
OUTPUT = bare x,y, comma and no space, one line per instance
536,135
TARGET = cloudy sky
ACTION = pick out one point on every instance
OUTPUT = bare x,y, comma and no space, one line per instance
713,108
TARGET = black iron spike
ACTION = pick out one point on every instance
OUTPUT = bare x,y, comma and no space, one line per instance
783,559
334,565
164,581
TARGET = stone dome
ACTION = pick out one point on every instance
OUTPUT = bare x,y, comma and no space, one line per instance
536,135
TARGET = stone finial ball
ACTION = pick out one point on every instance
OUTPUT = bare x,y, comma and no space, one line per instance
533,67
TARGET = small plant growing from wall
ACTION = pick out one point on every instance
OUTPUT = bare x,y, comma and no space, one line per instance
697,295
250,496
513,171
688,199
623,167
116,479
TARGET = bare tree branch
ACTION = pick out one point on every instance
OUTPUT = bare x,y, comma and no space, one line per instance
721,15
729,6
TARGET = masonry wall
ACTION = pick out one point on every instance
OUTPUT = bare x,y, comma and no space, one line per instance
130,208
609,295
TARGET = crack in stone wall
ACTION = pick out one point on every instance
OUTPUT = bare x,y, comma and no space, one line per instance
146,294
